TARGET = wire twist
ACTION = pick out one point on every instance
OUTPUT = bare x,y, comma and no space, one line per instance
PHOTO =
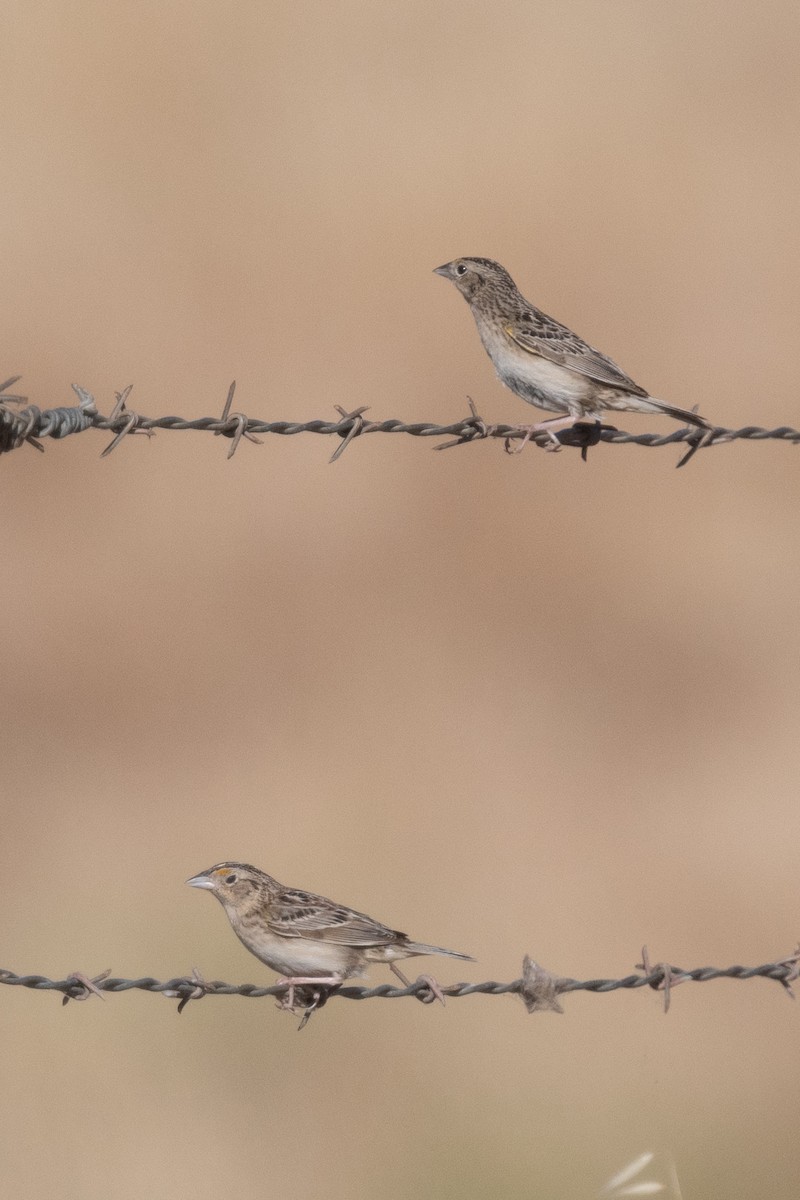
31,424
539,989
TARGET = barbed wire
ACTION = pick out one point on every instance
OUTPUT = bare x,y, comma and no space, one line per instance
29,425
537,987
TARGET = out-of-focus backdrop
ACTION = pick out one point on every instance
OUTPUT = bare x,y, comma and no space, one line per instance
506,704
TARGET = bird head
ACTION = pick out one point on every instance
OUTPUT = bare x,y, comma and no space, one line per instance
475,275
234,884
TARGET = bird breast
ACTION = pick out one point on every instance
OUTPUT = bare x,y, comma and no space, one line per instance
301,956
537,379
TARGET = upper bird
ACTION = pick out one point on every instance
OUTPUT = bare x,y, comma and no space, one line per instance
306,938
543,361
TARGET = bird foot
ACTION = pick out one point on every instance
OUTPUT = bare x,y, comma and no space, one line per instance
434,988
549,427
293,983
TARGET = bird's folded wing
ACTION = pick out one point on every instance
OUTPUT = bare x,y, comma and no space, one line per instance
302,914
558,344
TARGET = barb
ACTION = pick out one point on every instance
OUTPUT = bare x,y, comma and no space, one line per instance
539,989
31,424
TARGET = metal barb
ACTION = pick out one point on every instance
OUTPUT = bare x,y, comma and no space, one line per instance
195,988
122,400
86,987
357,426
228,401
241,431
86,400
238,423
131,421
9,398
474,429
661,976
697,440
128,427
792,964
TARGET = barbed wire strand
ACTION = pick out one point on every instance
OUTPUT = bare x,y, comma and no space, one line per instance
538,988
29,425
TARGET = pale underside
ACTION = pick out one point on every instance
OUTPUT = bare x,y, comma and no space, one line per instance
551,367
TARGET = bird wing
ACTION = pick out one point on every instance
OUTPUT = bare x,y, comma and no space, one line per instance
539,334
294,913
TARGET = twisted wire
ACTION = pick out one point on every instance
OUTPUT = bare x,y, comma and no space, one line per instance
538,988
31,424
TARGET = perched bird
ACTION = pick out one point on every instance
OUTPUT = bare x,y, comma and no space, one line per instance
306,938
541,360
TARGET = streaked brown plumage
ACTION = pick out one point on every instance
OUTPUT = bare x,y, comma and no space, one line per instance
307,938
542,360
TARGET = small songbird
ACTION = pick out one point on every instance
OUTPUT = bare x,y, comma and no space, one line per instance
543,361
307,939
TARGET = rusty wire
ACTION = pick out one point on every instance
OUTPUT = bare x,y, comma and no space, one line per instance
29,425
538,988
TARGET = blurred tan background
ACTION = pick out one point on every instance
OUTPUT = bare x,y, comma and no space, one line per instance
506,704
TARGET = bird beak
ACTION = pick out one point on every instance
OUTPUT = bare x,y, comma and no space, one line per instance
201,881
445,270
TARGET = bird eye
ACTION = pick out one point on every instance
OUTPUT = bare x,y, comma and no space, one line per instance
461,269
231,879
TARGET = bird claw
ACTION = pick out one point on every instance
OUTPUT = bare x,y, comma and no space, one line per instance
317,997
434,988
308,994
508,443
553,444
287,1001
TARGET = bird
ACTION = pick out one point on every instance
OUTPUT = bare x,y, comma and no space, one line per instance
542,360
307,939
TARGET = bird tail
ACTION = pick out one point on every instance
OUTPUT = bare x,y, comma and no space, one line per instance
413,948
670,410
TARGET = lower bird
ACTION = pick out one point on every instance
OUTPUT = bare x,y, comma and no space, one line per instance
307,939
542,360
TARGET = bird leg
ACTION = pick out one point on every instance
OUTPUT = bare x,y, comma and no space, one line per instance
293,981
428,980
548,427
